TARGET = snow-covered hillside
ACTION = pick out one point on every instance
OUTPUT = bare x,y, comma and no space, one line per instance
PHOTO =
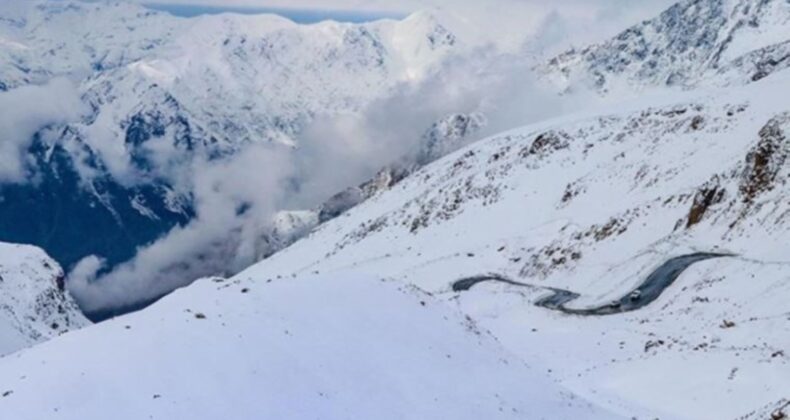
34,306
693,43
592,205
352,346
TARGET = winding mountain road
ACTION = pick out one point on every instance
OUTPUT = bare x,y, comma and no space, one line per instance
650,289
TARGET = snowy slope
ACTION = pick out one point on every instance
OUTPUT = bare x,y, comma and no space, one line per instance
352,346
693,43
590,204
33,305
593,204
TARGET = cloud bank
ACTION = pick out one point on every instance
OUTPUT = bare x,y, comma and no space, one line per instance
238,197
235,201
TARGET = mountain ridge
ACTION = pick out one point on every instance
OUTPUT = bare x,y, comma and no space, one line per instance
675,49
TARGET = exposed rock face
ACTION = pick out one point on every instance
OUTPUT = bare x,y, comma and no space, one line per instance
547,143
708,195
766,159
759,64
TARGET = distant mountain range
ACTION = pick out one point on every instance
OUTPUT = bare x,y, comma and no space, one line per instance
167,91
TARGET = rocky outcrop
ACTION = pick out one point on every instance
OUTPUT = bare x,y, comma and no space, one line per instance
34,305
708,195
766,159
449,134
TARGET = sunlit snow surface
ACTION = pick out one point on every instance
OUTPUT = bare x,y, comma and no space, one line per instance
339,347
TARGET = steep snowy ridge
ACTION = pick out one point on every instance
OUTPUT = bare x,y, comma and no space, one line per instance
243,57
34,306
57,38
250,63
688,45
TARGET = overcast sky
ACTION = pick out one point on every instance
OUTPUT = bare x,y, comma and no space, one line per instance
557,23
405,6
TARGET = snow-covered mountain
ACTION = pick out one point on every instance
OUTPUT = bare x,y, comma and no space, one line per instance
166,92
622,262
34,305
693,43
591,204
446,135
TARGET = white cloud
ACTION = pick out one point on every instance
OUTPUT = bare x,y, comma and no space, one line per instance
235,200
334,152
224,239
27,110
86,269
